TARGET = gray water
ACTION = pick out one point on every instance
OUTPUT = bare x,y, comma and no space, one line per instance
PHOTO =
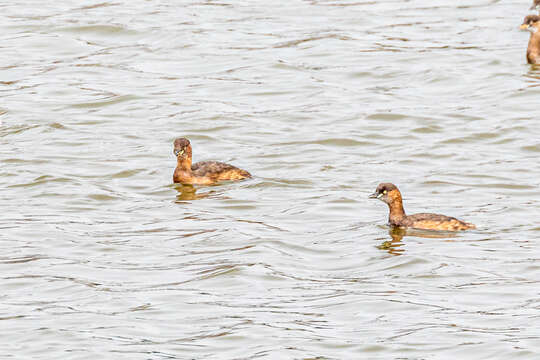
103,257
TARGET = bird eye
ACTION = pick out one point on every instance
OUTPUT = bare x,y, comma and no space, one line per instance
384,192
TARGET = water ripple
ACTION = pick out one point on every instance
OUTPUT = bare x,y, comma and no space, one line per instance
102,255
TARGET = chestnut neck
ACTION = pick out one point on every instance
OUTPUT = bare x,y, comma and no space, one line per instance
533,49
183,162
397,213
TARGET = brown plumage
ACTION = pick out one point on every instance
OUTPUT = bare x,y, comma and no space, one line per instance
390,194
531,23
204,172
535,5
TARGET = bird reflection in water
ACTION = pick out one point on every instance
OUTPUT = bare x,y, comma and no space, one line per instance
532,76
394,246
189,192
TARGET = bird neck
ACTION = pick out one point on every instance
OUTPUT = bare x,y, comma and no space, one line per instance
183,163
397,213
533,50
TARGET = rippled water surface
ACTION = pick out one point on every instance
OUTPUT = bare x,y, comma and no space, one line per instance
102,256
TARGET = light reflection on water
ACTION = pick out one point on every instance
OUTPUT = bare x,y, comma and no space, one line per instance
320,101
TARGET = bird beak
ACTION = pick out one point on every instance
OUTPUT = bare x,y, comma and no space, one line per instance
178,152
523,27
375,196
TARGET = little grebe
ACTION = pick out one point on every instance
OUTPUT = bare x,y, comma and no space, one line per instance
390,194
203,172
532,24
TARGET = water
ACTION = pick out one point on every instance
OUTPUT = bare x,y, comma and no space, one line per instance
103,256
